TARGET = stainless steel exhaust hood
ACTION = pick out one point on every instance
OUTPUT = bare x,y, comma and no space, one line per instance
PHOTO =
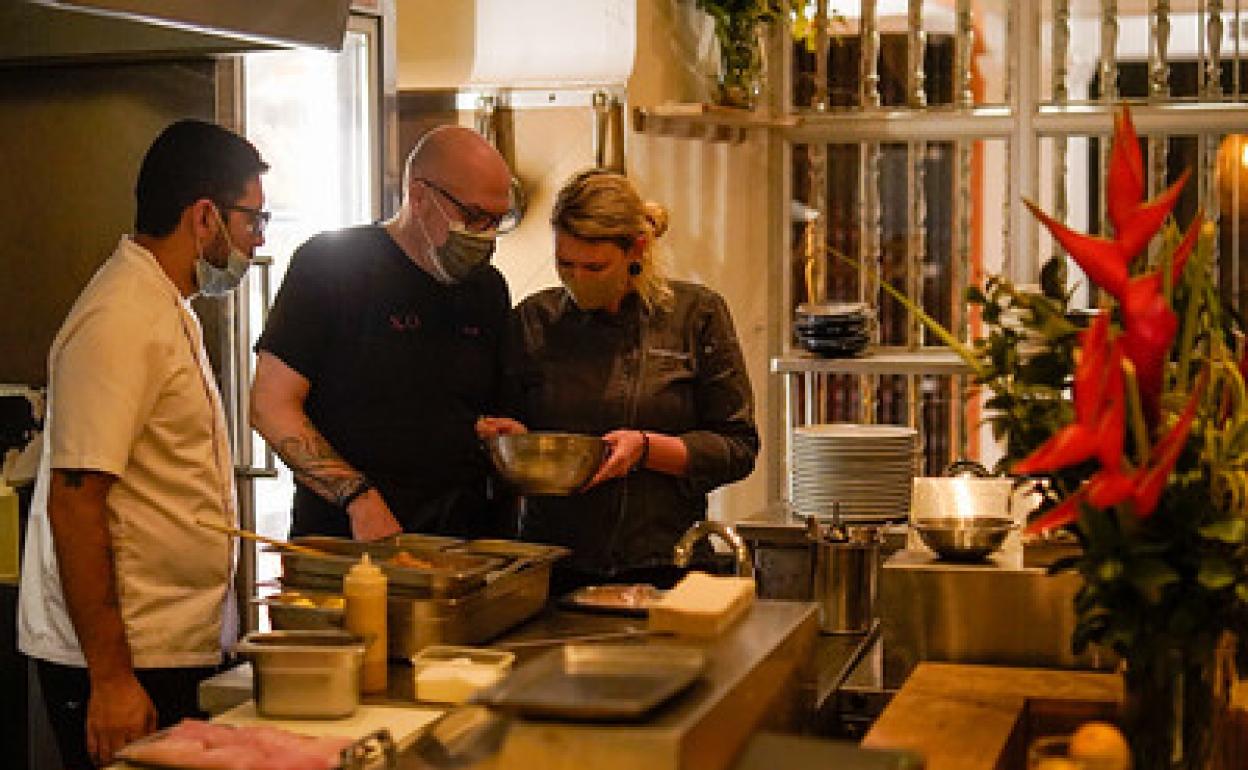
42,30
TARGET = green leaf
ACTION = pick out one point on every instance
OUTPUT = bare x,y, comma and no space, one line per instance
1241,592
1215,574
1150,576
1110,570
1228,530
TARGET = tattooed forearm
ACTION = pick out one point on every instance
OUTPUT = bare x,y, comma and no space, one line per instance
315,463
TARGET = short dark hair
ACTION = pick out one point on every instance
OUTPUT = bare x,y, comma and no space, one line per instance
191,160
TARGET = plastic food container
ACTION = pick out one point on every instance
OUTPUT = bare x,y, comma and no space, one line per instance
447,674
305,674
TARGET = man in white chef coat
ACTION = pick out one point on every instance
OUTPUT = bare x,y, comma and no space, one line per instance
125,599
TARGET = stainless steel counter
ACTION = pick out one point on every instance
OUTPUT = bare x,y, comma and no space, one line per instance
752,681
768,671
1004,611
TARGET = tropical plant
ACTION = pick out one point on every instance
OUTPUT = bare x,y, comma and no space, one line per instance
1132,423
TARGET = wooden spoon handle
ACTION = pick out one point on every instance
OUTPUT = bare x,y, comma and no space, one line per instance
248,535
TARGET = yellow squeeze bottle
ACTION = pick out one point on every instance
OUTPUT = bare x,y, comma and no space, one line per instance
364,594
9,529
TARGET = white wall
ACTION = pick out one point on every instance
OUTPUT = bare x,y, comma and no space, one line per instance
717,196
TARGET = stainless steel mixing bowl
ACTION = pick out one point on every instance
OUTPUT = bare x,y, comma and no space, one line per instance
547,463
964,538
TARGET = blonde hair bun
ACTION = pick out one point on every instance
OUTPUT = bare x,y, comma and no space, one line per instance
656,215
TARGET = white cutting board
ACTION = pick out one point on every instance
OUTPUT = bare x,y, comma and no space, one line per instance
403,722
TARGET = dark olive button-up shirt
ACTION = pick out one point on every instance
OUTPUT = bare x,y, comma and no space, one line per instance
677,371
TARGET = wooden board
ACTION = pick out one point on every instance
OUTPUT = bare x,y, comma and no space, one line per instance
404,722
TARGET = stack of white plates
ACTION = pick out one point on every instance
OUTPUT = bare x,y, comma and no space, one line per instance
868,469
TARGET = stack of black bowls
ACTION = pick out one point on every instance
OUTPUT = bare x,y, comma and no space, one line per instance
835,330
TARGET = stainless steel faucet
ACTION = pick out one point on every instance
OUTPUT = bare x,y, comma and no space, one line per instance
741,552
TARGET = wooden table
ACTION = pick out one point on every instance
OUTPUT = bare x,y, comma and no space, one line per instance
966,717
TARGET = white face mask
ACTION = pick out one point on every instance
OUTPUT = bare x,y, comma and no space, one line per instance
216,281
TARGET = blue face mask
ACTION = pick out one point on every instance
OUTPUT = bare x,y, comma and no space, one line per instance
216,281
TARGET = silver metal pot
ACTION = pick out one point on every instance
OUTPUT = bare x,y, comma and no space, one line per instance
845,583
836,567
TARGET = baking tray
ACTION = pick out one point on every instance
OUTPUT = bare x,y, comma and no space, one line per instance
598,682
375,751
448,574
592,599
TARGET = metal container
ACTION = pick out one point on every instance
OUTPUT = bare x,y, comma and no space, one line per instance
547,463
446,574
305,674
303,610
513,592
845,580
414,624
801,562
964,539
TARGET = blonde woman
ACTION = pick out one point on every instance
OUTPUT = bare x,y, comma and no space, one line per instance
652,365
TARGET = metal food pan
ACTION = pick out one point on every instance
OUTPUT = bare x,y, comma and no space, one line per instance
414,622
471,619
511,549
414,542
324,613
448,574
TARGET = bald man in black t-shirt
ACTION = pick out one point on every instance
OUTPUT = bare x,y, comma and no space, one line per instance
383,346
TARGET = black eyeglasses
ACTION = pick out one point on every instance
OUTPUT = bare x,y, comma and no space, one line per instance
478,219
257,220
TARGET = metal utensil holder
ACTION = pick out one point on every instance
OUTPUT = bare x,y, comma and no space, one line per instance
834,565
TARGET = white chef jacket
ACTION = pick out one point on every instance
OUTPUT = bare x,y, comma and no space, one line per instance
131,393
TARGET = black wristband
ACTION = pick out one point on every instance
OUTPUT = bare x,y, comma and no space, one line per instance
645,452
346,498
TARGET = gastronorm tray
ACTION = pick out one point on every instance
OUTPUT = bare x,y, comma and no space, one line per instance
298,610
445,574
598,682
510,594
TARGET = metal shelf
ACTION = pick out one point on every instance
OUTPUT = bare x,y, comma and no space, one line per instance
931,360
707,122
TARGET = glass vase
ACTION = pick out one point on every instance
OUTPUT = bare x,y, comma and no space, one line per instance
740,64
1175,704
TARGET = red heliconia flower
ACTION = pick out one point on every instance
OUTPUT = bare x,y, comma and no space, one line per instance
1102,259
1100,415
1151,480
1061,514
1125,188
1149,326
1110,486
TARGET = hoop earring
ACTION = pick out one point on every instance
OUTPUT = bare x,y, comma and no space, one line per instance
634,268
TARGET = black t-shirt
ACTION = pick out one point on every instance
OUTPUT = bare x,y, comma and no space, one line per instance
400,366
